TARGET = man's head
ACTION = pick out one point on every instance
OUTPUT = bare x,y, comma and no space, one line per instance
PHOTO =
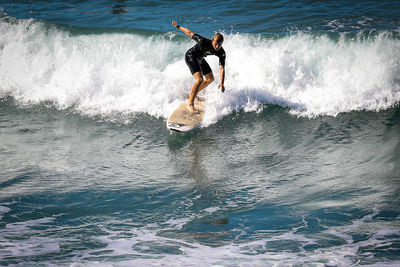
217,41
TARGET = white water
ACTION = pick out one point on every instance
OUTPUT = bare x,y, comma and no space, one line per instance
139,242
104,74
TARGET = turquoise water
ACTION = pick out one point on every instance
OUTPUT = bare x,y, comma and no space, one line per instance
296,164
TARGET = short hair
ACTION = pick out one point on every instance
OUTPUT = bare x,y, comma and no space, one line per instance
218,38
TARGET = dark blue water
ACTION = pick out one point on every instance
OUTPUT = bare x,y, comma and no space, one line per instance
209,16
296,164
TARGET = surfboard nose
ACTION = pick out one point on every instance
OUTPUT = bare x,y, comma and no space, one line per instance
181,120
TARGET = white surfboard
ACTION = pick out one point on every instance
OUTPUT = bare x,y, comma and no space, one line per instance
182,120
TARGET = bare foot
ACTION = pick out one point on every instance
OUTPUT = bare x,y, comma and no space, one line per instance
192,109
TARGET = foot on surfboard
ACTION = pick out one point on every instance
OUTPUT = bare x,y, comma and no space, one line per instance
192,109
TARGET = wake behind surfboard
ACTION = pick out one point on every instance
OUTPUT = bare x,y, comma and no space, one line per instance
182,120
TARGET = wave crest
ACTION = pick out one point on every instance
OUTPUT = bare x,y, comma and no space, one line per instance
101,74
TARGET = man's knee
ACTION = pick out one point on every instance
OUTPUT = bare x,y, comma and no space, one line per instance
199,80
210,79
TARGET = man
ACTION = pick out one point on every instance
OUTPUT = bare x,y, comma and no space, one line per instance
198,66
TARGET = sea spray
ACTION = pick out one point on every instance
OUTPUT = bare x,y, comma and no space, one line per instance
103,73
313,75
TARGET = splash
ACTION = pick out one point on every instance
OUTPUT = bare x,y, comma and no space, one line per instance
129,73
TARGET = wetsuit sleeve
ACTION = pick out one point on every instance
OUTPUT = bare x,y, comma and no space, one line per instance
197,38
222,57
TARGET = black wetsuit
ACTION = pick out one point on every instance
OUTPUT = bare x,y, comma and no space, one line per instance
195,56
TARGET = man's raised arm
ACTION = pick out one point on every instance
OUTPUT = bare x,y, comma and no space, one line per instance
183,29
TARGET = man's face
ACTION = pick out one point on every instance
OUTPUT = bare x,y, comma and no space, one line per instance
216,45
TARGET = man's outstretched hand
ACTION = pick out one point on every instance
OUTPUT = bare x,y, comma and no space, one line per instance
222,87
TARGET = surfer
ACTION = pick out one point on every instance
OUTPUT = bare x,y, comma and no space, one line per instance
198,66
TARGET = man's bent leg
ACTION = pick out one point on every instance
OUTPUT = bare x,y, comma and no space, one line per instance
195,89
209,79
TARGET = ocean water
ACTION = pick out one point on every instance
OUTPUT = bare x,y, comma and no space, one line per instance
296,164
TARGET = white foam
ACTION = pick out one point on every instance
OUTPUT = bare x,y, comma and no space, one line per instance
26,244
144,246
311,75
343,232
4,210
195,254
97,74
104,74
23,226
177,223
211,209
335,25
366,21
250,253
